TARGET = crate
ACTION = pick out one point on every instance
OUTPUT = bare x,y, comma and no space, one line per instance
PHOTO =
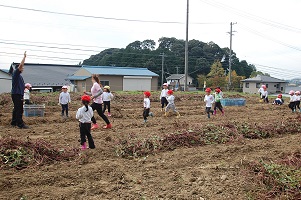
34,110
233,102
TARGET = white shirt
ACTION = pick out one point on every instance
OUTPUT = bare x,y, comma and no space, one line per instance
26,94
297,97
146,103
94,90
64,98
164,93
278,99
264,93
209,99
171,99
260,90
83,116
292,98
107,96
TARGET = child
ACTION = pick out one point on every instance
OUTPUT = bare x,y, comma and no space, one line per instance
261,90
107,96
209,100
64,99
292,103
171,103
264,94
217,99
146,105
27,91
84,115
221,92
278,100
297,100
163,95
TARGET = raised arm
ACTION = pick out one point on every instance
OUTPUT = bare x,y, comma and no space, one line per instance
21,65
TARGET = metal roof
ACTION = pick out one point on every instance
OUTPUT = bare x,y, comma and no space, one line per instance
78,78
176,77
48,74
264,79
121,71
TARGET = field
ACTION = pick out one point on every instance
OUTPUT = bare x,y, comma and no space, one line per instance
253,152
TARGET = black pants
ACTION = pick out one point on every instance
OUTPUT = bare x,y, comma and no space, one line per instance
18,110
218,105
297,104
64,108
265,99
98,108
146,113
85,131
164,101
27,101
105,105
292,106
208,111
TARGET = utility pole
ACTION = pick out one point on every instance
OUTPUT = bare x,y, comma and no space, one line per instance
177,70
162,78
230,54
186,49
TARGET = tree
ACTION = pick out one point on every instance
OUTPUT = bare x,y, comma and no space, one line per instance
255,73
235,80
216,76
148,44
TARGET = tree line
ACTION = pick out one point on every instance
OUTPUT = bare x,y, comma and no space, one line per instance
201,57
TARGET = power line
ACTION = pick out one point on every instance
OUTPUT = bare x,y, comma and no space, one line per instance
252,17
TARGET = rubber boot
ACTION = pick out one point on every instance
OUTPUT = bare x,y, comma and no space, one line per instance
214,113
84,146
165,114
223,112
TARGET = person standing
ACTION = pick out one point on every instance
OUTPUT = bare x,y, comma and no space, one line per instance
27,91
64,100
209,100
146,106
17,94
217,99
84,115
95,93
171,104
163,96
107,96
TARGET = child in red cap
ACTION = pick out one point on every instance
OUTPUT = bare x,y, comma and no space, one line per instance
84,115
217,99
146,105
209,100
171,103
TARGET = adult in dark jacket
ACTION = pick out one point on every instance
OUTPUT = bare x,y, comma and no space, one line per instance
17,93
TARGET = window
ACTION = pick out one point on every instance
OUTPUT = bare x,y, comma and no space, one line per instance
103,83
258,85
277,86
247,85
84,86
267,85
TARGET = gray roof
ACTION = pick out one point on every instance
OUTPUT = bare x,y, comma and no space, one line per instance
121,71
78,78
48,74
264,79
4,70
176,77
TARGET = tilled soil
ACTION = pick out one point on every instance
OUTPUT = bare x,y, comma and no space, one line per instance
213,171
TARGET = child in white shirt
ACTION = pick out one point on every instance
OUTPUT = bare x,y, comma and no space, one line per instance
84,115
264,94
163,96
209,100
27,93
64,100
292,104
107,96
171,103
297,100
146,105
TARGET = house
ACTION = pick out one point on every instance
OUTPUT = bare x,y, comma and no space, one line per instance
177,81
274,85
118,78
5,81
47,75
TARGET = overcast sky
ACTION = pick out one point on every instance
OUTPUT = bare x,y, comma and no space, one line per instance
267,32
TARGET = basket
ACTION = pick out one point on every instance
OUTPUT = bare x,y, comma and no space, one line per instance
233,102
34,110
